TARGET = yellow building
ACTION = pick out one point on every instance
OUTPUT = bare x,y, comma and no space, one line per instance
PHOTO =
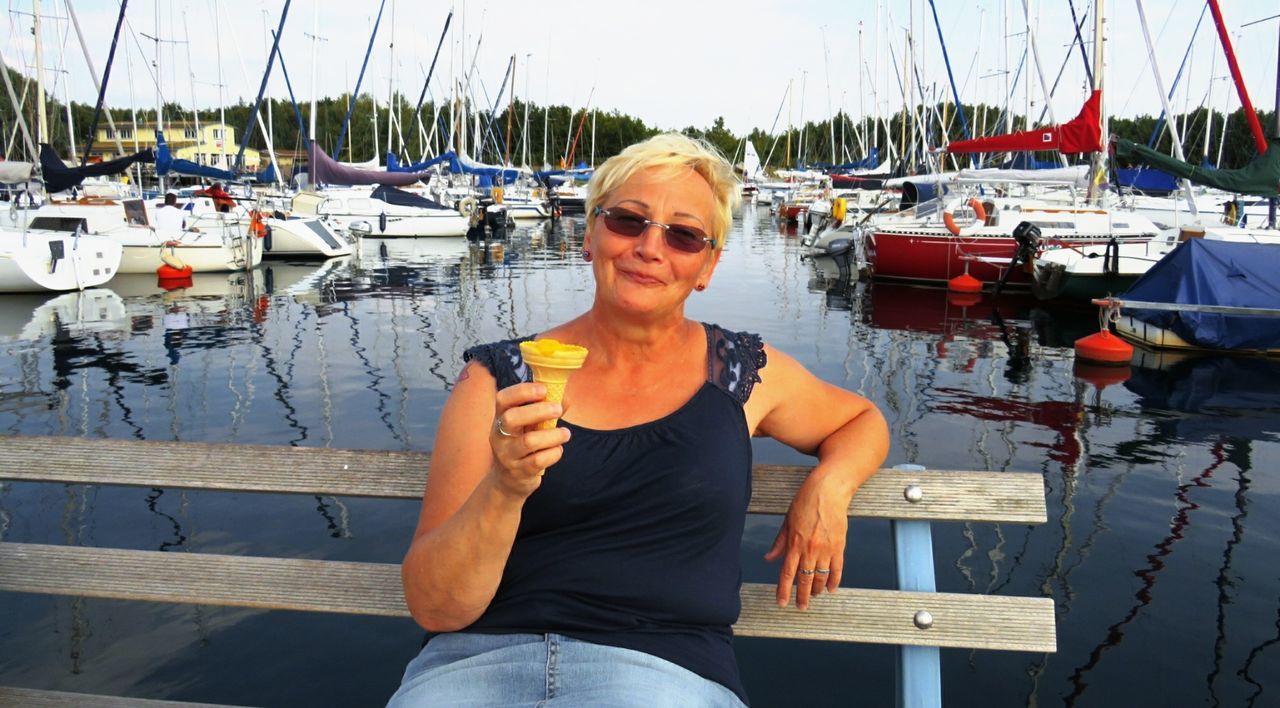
213,144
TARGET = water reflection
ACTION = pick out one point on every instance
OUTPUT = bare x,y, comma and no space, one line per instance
1203,397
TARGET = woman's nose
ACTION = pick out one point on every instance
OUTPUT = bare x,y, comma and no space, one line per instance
649,243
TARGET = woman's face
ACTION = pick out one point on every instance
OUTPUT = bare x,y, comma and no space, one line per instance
644,274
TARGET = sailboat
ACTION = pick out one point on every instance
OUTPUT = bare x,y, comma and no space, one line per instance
1104,269
751,171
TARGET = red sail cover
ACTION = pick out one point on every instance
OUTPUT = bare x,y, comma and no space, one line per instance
1081,134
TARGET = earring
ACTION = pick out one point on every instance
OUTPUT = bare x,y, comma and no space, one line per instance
586,255
699,287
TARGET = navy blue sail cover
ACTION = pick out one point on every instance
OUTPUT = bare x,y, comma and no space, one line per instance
1206,272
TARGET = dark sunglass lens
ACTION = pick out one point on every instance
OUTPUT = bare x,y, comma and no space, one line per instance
686,239
624,222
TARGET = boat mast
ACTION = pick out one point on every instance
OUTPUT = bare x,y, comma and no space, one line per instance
524,135
222,102
826,70
1099,159
1164,101
315,37
98,85
391,82
42,117
1250,115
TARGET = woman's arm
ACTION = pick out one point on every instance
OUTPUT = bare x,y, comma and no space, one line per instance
475,492
850,438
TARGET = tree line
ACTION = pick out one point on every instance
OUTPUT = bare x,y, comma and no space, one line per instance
561,134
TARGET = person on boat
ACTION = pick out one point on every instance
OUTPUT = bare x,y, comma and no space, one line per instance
613,578
171,220
222,199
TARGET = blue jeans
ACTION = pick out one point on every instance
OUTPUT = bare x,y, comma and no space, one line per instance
536,670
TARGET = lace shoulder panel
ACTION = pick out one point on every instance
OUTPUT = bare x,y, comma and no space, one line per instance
735,361
503,360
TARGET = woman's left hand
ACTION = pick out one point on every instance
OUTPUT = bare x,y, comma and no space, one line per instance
812,539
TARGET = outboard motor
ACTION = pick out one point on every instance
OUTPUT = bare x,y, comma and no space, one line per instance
841,252
1027,236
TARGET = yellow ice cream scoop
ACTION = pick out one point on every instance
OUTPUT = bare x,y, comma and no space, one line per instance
552,363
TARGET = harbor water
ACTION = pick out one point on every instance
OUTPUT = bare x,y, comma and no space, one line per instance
1162,480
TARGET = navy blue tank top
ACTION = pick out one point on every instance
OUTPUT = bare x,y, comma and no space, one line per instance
633,538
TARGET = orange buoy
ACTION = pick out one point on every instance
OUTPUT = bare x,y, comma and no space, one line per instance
1104,348
1099,375
964,283
168,272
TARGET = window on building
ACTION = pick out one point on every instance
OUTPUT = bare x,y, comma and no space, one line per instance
125,133
111,134
189,133
217,133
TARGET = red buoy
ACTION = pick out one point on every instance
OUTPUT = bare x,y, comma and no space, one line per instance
1104,348
965,283
169,284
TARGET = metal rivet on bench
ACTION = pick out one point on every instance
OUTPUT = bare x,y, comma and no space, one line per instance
913,493
923,619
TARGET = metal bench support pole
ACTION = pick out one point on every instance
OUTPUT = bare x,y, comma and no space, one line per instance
919,670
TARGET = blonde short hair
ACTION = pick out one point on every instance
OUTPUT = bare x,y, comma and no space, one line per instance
672,151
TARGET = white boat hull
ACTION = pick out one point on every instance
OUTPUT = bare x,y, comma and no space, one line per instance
27,262
447,224
206,254
308,237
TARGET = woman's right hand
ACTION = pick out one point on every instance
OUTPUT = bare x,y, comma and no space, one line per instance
520,452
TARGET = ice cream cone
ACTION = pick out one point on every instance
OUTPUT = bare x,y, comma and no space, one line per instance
552,363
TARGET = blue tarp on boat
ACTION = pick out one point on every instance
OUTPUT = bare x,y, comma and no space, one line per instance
1147,180
166,163
1204,272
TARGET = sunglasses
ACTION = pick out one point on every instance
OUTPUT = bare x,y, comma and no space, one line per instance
687,239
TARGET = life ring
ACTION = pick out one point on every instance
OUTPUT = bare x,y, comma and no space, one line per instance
838,209
467,206
979,216
257,223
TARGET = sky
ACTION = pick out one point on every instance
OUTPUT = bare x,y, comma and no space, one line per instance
756,63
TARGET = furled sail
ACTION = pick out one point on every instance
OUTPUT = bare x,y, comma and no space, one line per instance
1259,178
166,163
326,170
15,172
1080,134
58,177
458,164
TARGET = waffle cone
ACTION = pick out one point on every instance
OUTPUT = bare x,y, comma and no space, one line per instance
552,364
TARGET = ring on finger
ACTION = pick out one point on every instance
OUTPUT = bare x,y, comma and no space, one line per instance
804,571
822,571
497,425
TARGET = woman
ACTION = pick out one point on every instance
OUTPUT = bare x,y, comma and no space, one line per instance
613,578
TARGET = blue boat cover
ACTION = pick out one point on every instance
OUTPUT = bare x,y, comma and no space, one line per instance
166,163
1147,180
1028,161
1204,272
399,197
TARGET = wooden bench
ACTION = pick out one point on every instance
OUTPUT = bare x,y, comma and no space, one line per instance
915,617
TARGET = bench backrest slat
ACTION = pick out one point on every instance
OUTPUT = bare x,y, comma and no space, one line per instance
998,497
